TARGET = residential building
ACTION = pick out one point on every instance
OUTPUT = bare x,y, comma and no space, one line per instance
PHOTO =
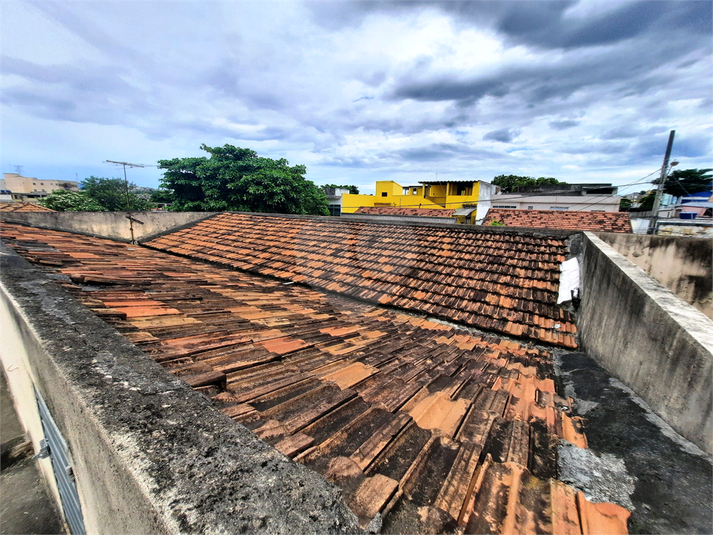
24,188
572,197
438,194
334,197
5,194
699,204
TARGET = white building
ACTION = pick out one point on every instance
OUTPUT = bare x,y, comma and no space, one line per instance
573,197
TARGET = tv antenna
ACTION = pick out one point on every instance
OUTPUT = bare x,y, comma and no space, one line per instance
128,205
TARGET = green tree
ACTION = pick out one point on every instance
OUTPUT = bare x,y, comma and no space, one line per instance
162,195
352,189
111,194
70,201
624,204
508,183
234,178
646,203
688,181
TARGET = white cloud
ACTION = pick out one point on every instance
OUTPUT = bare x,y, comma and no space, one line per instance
356,91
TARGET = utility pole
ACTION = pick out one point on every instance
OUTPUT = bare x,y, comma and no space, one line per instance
128,205
662,182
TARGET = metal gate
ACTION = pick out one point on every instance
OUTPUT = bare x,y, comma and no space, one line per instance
55,446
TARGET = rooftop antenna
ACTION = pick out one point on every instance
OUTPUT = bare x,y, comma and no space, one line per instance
18,170
128,205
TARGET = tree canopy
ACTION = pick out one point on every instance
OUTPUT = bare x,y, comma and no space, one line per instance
508,183
234,178
624,204
688,181
352,189
110,193
70,201
646,203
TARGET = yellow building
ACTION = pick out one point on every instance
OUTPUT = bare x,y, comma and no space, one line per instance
427,194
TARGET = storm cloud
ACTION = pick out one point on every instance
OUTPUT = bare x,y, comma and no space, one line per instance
360,91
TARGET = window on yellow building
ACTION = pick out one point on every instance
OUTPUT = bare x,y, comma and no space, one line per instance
465,189
384,194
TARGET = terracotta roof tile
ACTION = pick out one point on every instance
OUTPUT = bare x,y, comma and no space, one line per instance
395,210
22,207
561,219
477,278
431,427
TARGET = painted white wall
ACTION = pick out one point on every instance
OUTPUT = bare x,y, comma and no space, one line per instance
606,203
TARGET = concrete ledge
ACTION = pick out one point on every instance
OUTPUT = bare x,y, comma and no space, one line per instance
150,455
113,225
684,265
657,344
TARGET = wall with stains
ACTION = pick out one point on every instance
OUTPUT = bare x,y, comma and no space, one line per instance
114,225
657,344
683,265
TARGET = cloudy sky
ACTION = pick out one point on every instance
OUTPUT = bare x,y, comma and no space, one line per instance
359,91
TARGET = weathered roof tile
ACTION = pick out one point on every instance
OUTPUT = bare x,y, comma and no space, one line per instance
380,263
561,219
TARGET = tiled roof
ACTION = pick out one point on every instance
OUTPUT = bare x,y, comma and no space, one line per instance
22,207
394,210
561,219
420,422
502,282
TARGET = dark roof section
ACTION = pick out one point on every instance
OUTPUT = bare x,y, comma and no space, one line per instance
561,219
503,282
23,207
422,423
395,210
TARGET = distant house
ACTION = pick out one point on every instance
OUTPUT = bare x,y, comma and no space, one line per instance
25,188
566,197
334,197
5,194
435,194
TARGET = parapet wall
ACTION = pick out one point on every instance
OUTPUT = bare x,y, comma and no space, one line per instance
149,454
113,225
683,265
657,344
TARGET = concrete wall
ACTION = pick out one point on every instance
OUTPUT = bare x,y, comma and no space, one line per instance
657,344
682,227
114,225
149,454
683,265
606,203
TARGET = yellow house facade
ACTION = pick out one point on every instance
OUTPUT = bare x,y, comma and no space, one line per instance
436,194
